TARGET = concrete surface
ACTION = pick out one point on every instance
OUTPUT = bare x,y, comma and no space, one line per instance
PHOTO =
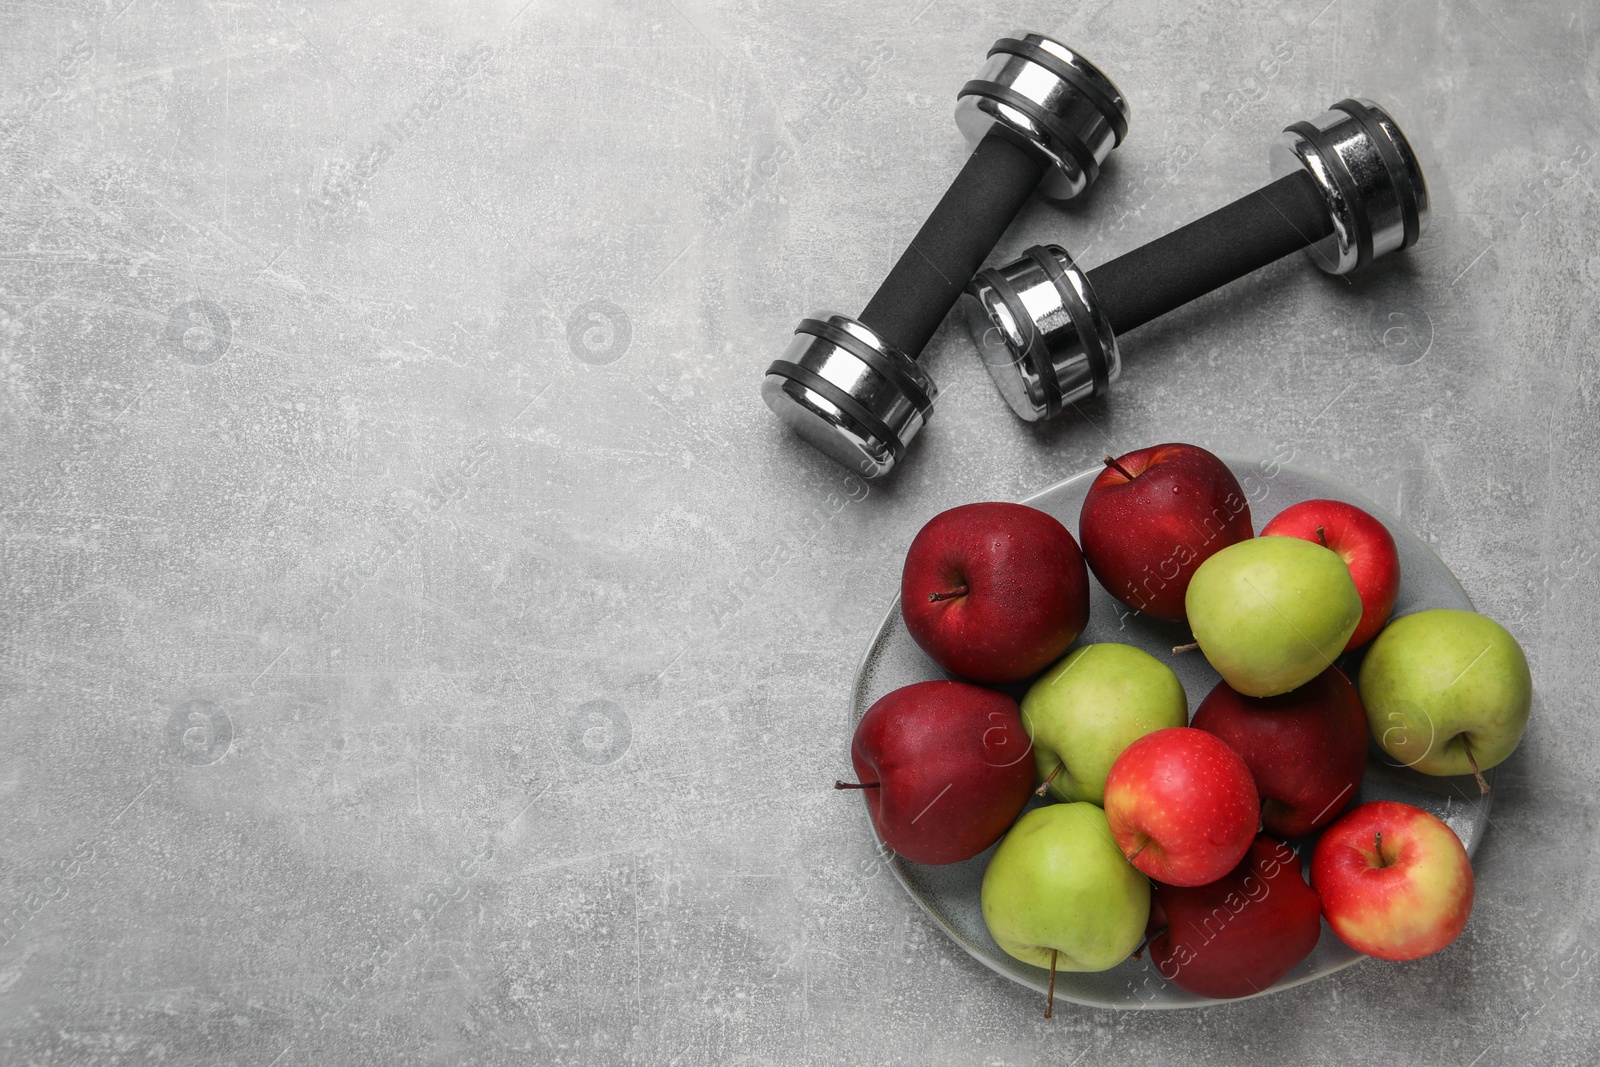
421,646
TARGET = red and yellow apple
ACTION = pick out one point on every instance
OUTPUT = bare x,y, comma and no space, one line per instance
1182,806
1394,880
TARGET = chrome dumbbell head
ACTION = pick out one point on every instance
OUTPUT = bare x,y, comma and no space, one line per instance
1041,332
1365,168
840,384
851,395
1044,334
1050,99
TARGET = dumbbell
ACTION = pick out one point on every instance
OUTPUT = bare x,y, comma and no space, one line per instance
1038,115
1347,189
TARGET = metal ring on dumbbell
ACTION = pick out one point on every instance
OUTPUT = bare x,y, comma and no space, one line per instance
871,397
1039,319
1050,99
1039,116
1365,169
1347,189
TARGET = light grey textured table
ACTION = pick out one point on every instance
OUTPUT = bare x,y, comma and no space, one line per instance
421,646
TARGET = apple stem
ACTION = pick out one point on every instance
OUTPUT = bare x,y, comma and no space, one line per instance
856,785
1141,848
1050,997
1178,650
1322,536
960,590
1138,953
1483,786
1044,787
1377,843
1119,468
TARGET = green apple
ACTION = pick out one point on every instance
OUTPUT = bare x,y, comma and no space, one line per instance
1089,707
1445,689
1058,885
1271,613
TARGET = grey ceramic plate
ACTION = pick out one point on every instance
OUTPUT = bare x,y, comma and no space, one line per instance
949,894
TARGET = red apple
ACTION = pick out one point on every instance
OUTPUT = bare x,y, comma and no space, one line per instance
994,592
1394,880
1241,933
945,767
1182,806
1306,749
1365,545
1153,516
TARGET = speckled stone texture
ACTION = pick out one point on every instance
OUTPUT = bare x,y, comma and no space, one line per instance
420,645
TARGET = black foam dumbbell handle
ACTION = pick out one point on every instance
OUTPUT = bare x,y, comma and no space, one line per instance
964,228
1210,252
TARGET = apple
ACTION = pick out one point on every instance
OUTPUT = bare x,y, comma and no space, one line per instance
1271,613
1153,516
1182,806
1097,701
1447,692
944,767
1395,882
1306,749
1058,894
994,592
1239,934
1365,545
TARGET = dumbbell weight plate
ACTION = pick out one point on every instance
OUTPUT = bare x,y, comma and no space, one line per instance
849,393
1043,94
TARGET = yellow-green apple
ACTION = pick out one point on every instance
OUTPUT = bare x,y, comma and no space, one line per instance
1271,613
1097,701
1447,692
944,768
1395,882
994,592
1153,516
1182,806
1306,749
1240,934
1365,545
1058,894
